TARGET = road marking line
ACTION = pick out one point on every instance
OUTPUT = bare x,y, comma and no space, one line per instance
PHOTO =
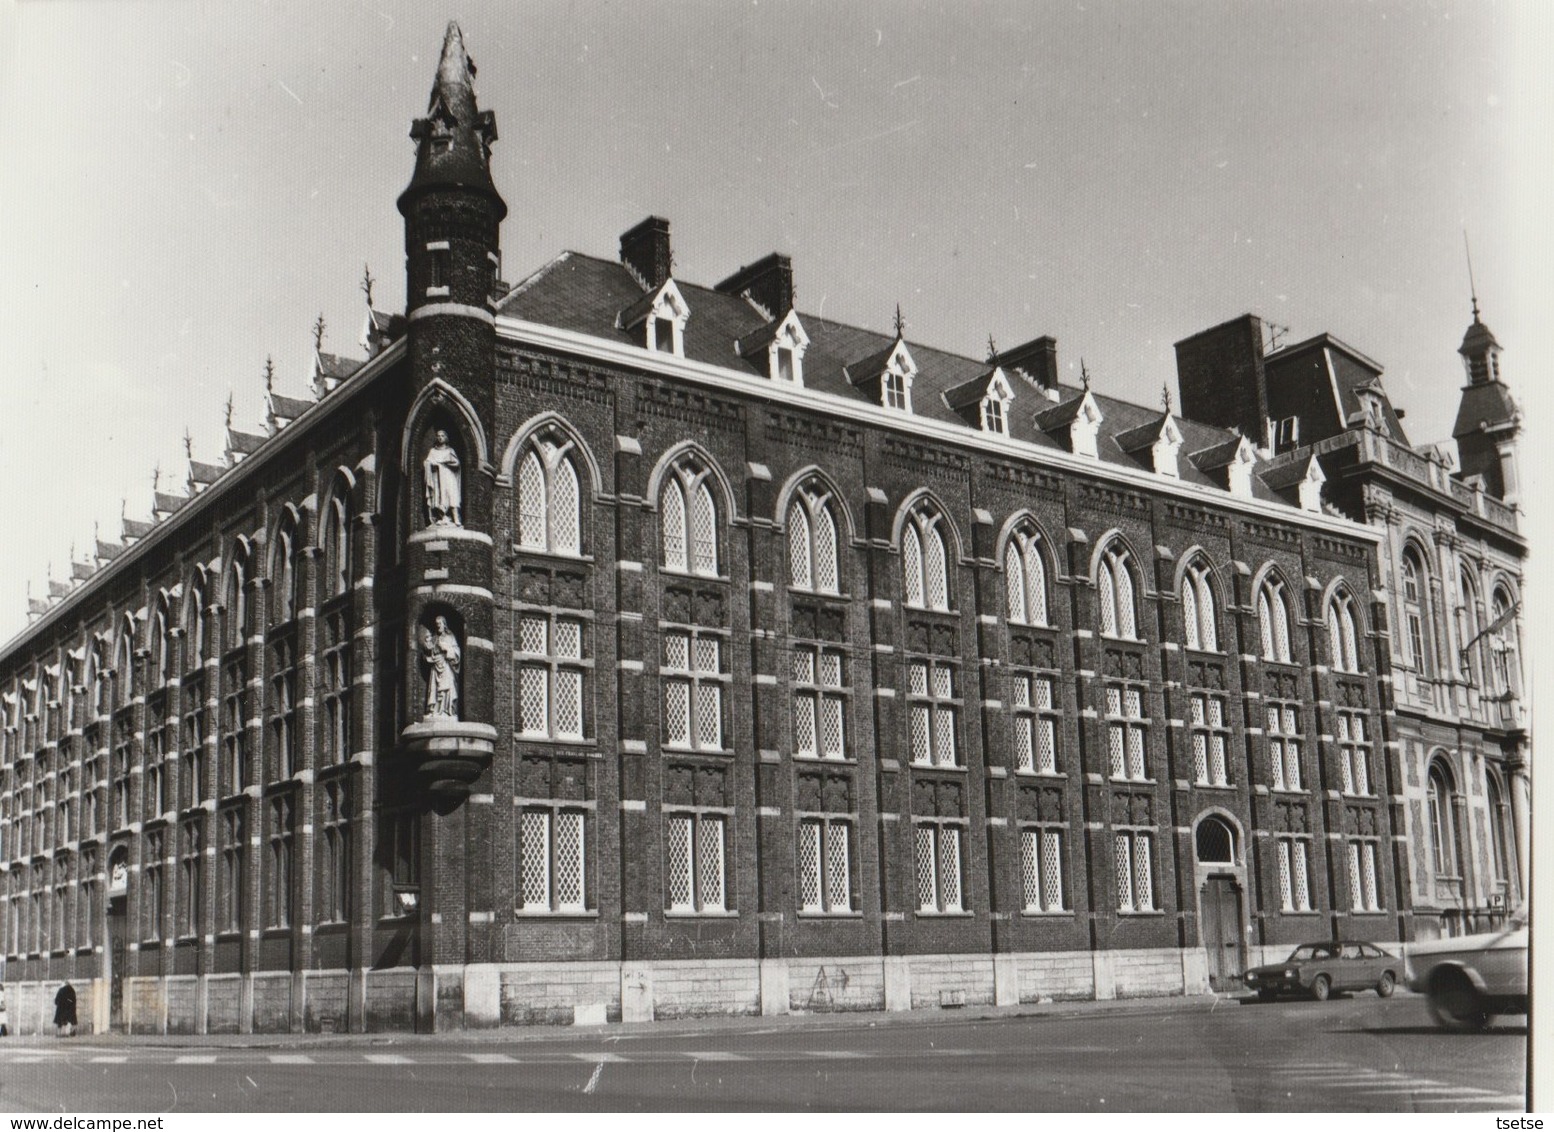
24,1060
491,1058
836,1054
600,1057
717,1055
388,1059
195,1059
110,1058
1425,1087
290,1059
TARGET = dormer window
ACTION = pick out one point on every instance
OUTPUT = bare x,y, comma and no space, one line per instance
1239,473
658,319
1166,447
786,353
995,405
892,370
896,391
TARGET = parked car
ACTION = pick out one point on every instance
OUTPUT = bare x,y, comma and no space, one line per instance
1319,969
1471,978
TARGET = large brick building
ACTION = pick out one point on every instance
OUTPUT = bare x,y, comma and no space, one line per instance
610,646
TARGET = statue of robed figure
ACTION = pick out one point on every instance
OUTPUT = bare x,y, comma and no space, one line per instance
441,656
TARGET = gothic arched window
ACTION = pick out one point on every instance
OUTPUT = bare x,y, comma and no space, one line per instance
1343,633
924,559
1118,592
194,622
813,551
1025,577
549,498
689,517
124,661
284,576
1273,621
236,598
1200,610
337,519
1468,624
161,645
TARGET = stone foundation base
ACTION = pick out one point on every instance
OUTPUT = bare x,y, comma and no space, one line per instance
481,996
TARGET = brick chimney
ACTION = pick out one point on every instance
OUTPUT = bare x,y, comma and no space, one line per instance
645,252
768,283
1221,377
1038,358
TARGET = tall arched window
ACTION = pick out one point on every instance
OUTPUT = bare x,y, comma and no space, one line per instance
689,517
1343,633
337,518
1415,604
1273,620
236,598
1499,855
161,645
549,499
1118,590
124,662
194,622
1025,577
1507,663
1443,824
1200,610
813,554
925,560
1468,625
283,572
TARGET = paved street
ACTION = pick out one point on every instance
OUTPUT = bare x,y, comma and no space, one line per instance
1351,1054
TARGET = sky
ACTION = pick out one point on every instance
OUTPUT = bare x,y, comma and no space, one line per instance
186,187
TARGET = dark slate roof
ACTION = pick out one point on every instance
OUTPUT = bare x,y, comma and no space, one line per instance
1486,403
969,392
245,442
166,502
133,528
1282,474
201,472
1217,456
335,366
584,294
1351,373
1478,338
289,407
109,550
1142,436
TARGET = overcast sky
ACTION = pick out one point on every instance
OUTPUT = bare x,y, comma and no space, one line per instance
185,187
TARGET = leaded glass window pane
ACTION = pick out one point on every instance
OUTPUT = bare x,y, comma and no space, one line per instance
1123,861
1014,582
804,725
809,866
531,701
838,878
532,635
799,571
677,713
1052,870
534,834
949,868
680,863
927,889
569,859
704,532
1286,881
935,570
944,735
569,703
569,640
831,735
912,565
1024,746
674,526
1143,875
709,716
565,510
825,539
922,745
1046,746
1030,870
531,503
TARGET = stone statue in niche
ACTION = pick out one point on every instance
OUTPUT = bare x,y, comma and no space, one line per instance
444,489
441,657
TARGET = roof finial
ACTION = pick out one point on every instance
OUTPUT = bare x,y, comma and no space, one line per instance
1165,396
900,322
229,410
1084,374
188,444
992,349
1472,287
269,382
318,332
156,477
367,282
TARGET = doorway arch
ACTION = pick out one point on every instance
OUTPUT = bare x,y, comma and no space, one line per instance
1220,872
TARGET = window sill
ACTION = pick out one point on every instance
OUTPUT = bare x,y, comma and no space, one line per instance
1133,781
555,740
672,572
1050,914
691,914
1214,785
546,552
556,913
715,752
275,932
833,760
1361,797
816,915
332,927
1146,913
929,914
1301,912
1287,790
1050,775
950,768
1368,912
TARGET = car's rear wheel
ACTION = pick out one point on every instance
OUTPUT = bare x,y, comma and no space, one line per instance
1386,984
1455,1003
1321,987
1267,994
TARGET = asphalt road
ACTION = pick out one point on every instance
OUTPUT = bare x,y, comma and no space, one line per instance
1349,1054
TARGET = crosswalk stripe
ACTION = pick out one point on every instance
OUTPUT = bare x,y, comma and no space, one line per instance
597,1057
836,1054
290,1059
716,1055
388,1059
195,1059
491,1058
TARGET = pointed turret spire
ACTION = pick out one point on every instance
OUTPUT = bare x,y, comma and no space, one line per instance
454,139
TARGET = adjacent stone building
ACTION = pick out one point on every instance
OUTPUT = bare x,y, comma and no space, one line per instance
1451,583
611,646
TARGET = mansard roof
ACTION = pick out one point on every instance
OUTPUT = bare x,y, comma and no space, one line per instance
1487,404
584,294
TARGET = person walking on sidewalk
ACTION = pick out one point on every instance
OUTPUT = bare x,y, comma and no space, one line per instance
65,1010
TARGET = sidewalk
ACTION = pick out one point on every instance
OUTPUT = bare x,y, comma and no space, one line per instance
680,1027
